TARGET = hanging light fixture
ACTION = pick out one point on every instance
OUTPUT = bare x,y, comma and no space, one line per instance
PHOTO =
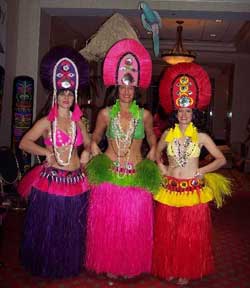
178,54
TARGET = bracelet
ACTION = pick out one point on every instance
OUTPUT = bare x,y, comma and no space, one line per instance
198,174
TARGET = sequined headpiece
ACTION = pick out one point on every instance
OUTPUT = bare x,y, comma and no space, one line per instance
65,75
63,68
185,85
127,63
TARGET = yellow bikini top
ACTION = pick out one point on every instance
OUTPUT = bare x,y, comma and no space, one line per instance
191,144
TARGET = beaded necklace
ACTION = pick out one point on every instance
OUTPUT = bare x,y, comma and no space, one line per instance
123,139
182,152
70,144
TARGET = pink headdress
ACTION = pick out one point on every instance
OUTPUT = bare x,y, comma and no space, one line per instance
127,63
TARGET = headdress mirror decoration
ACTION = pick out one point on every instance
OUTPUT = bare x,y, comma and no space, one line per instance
128,70
185,85
127,63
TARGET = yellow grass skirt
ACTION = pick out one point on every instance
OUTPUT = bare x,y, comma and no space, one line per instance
189,192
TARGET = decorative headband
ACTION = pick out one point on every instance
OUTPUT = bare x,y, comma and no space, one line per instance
127,63
185,85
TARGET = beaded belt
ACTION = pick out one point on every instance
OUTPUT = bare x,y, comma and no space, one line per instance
181,185
62,176
128,168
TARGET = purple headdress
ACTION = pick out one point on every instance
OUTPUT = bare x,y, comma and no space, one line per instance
64,68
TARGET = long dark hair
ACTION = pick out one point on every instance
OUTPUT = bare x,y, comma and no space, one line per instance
198,119
47,106
112,93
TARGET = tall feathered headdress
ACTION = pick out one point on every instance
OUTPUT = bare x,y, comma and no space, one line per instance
185,85
63,68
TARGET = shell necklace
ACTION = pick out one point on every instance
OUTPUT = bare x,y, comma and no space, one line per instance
72,136
123,140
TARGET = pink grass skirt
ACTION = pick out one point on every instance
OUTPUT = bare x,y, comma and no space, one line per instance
53,181
119,230
182,242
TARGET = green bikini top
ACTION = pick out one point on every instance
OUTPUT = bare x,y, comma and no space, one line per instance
139,129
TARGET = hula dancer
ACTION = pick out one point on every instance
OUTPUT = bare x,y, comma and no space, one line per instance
120,234
54,231
182,235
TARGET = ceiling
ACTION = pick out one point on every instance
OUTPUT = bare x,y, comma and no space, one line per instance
216,53
201,32
205,32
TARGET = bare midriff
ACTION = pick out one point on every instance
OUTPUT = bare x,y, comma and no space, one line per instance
188,171
135,155
74,161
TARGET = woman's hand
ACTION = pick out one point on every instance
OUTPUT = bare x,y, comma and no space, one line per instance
85,157
50,158
163,168
95,150
198,174
151,154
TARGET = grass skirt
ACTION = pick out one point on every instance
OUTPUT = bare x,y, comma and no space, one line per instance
53,181
182,242
147,175
119,234
53,243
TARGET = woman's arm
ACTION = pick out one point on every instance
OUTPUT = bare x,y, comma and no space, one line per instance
100,127
85,155
28,141
85,134
219,159
150,135
160,147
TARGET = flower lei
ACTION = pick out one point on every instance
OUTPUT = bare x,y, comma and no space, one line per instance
133,109
175,133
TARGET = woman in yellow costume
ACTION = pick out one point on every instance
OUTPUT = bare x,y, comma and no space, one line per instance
182,236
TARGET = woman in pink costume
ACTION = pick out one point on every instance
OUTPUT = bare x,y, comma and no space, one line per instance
119,231
182,235
54,231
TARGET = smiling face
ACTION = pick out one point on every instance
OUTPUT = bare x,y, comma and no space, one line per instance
184,116
126,93
65,99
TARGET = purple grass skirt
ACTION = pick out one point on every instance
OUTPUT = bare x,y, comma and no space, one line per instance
119,233
53,243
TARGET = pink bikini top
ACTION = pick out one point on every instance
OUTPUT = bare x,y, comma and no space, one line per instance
63,139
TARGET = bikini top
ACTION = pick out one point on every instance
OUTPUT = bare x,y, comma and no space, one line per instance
192,150
191,143
63,138
139,129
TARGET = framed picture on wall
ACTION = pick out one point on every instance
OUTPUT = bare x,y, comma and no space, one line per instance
23,92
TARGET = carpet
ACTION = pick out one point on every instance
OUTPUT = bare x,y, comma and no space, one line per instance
231,241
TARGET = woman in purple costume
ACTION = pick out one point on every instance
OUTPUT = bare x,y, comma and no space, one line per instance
54,230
